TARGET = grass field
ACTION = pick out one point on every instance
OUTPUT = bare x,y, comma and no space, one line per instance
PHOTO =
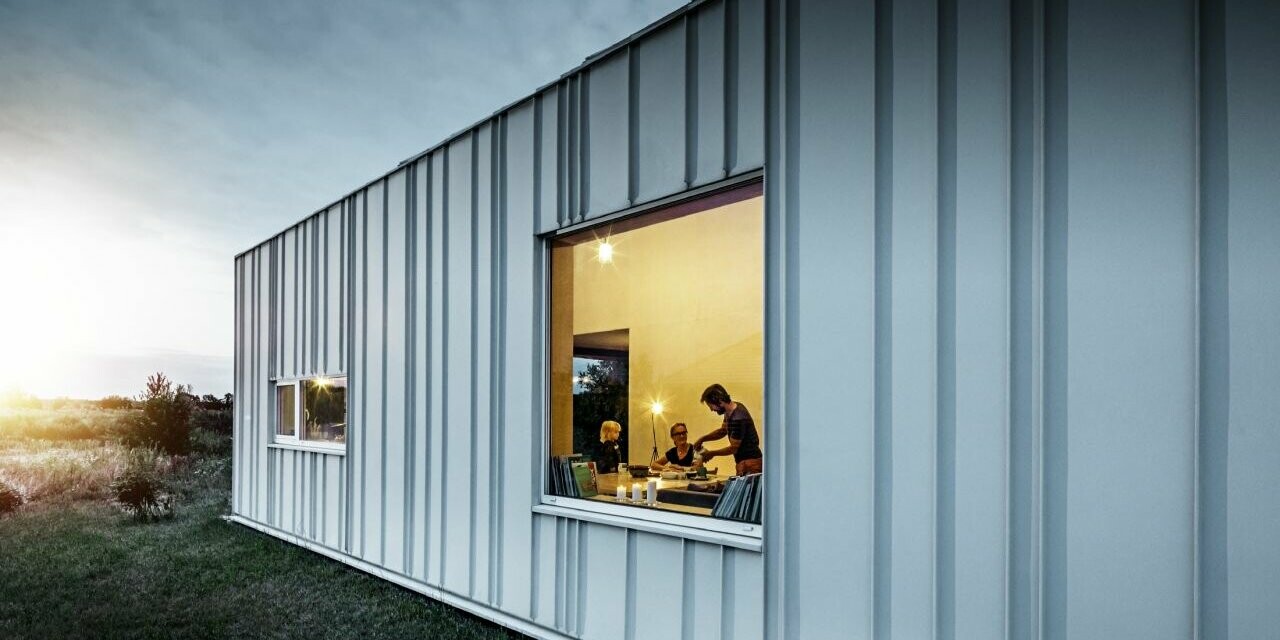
72,565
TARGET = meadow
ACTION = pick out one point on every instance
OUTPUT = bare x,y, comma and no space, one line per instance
75,563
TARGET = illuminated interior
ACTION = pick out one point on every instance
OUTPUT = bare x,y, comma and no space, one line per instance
665,306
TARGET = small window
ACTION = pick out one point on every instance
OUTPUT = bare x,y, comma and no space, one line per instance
287,411
657,345
312,411
325,410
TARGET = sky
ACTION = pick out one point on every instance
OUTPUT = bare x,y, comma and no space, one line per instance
143,144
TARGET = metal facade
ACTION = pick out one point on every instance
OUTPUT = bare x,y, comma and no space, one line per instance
1023,375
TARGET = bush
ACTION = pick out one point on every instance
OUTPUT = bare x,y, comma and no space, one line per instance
165,418
214,420
210,442
140,490
10,497
115,402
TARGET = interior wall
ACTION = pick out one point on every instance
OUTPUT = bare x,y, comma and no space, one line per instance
690,291
561,349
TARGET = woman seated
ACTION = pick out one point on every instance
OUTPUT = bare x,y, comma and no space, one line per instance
679,457
608,455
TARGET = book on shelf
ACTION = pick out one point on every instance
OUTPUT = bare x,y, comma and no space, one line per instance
740,500
573,477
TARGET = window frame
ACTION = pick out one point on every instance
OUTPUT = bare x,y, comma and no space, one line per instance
296,441
733,533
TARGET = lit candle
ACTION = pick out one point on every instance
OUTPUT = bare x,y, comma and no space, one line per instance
653,492
622,493
635,493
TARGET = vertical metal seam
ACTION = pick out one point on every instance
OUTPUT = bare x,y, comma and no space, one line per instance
382,386
569,132
342,286
687,593
474,331
300,288
316,252
428,378
364,364
633,129
537,161
444,358
690,99
497,140
253,304
559,577
296,365
562,152
348,354
731,20
629,593
237,358
502,367
728,601
410,426
581,586
535,540
1213,328
323,520
312,490
883,428
1007,492
574,122
328,216
1055,327
1197,269
584,145
780,233
945,395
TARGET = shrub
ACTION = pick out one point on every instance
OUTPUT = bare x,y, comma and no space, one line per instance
115,402
140,490
210,442
10,497
214,420
165,418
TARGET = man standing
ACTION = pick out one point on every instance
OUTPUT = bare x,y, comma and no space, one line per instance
744,440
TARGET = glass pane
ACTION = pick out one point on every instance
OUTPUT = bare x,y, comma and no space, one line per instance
325,409
286,409
646,317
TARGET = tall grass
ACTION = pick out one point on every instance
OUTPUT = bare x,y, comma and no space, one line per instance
63,424
76,451
74,470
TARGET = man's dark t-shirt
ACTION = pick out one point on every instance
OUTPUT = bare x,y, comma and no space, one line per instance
741,427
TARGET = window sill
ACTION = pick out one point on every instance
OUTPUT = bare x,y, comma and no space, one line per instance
313,448
729,533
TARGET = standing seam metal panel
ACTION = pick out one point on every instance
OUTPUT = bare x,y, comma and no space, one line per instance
473,230
1017,239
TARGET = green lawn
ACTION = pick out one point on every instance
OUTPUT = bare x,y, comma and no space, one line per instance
78,568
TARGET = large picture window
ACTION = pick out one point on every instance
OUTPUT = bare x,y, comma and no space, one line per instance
657,359
312,410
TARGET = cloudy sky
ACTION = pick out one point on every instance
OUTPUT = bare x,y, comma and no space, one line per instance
144,144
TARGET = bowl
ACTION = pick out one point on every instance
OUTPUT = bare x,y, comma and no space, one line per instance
638,471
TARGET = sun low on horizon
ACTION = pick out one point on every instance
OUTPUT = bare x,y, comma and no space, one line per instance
87,308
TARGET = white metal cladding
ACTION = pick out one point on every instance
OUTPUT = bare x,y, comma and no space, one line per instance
1031,247
1020,338
422,286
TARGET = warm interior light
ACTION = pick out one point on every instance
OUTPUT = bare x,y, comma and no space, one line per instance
605,251
656,408
322,382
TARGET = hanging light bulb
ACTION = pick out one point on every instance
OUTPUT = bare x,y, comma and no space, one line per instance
605,252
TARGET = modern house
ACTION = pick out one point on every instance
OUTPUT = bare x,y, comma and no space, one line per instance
993,285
